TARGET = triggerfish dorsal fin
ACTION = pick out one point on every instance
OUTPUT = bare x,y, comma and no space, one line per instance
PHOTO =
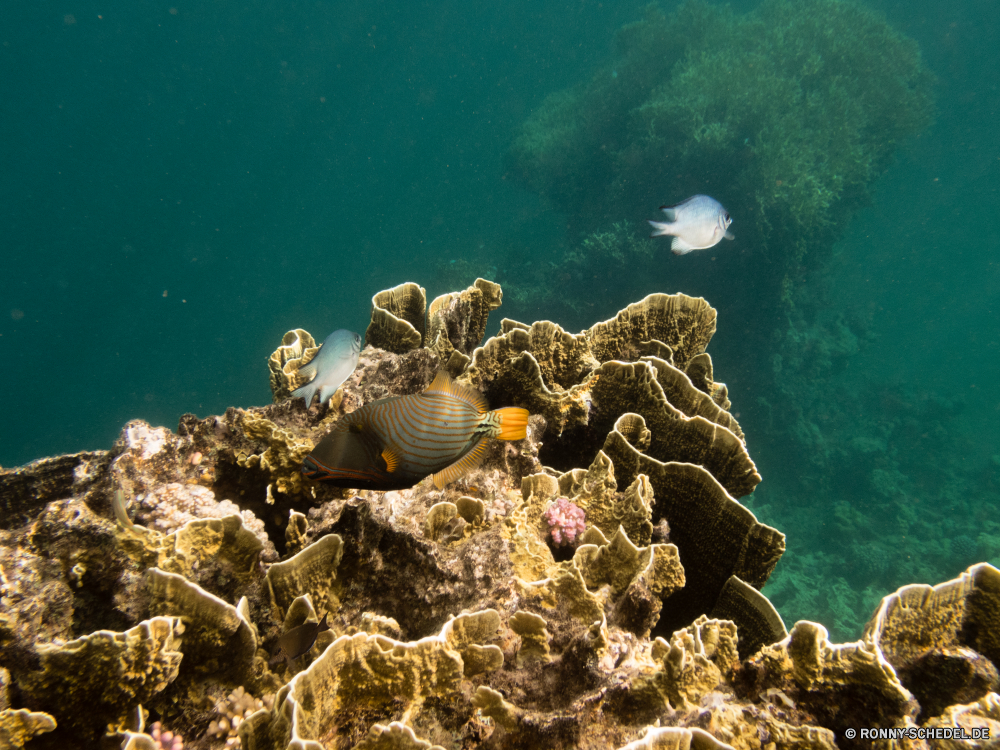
513,423
443,384
462,466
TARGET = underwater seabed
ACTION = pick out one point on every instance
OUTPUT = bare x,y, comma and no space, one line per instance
471,616
890,483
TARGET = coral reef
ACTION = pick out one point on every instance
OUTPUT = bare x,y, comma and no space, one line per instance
297,348
17,727
455,620
787,114
398,318
238,706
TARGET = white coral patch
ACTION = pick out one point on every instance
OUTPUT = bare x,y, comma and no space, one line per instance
167,507
145,440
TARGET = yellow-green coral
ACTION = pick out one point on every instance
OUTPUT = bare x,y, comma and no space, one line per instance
105,673
312,571
676,738
218,637
372,672
395,736
298,347
619,562
534,638
194,544
694,662
17,727
398,318
283,456
595,492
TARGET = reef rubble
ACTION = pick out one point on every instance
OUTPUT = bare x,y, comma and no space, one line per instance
456,619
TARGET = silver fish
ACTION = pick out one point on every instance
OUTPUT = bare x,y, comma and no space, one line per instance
332,365
121,515
698,223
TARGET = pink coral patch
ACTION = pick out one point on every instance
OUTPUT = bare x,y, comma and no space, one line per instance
565,520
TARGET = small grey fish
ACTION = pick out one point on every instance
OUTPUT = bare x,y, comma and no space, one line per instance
121,515
299,639
332,365
698,223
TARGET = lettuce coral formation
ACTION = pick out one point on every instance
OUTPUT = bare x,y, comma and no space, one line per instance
787,114
454,621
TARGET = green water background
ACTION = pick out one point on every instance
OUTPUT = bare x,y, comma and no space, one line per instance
181,184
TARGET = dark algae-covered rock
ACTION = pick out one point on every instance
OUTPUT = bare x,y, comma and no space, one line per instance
197,585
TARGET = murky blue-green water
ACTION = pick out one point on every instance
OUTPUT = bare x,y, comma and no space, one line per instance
181,184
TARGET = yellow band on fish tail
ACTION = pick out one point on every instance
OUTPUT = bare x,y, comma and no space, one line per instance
513,423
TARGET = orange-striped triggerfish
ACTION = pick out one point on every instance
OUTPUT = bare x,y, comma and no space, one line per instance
393,443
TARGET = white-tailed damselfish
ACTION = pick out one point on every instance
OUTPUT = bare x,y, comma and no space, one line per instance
698,223
332,365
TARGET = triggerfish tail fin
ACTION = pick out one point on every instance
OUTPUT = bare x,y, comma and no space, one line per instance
464,465
513,423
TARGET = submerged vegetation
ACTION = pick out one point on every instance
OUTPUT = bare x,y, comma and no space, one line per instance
785,114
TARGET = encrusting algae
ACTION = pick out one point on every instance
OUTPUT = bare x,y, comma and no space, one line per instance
445,615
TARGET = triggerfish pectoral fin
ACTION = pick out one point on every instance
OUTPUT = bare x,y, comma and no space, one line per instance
513,423
462,466
391,458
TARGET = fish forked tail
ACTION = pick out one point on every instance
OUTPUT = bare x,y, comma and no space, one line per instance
513,423
661,228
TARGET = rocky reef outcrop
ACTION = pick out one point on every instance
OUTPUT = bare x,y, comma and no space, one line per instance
457,618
